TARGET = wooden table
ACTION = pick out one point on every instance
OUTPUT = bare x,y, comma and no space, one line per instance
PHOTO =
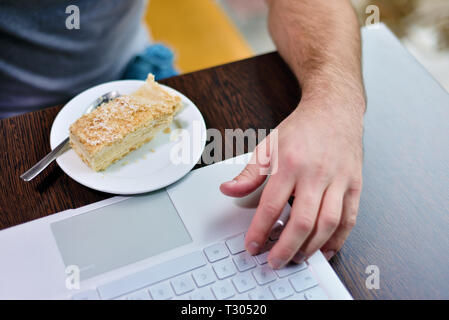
399,230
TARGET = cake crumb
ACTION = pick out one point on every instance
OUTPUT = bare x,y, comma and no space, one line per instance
177,124
152,150
167,130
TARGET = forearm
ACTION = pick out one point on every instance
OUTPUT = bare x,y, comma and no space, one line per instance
318,152
320,41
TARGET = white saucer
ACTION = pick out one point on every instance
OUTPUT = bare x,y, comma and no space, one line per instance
146,169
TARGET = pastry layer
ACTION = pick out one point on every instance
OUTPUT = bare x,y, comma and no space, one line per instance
120,126
116,151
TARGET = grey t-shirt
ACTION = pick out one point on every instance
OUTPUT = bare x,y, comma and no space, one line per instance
43,63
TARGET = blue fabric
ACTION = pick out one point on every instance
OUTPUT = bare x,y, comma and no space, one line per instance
157,59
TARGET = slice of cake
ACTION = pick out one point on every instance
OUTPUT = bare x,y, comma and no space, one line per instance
122,125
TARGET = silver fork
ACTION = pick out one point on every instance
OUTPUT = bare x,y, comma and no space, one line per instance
64,145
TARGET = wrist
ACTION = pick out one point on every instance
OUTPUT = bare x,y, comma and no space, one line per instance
339,95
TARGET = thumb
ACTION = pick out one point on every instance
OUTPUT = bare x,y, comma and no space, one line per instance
246,182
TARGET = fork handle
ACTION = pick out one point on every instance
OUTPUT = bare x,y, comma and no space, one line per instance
45,161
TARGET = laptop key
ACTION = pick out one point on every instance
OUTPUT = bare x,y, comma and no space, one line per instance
282,289
240,297
202,294
244,261
161,291
262,293
315,293
303,280
138,295
183,284
236,244
182,297
87,295
152,275
263,257
290,269
216,252
203,276
244,282
264,274
223,290
224,269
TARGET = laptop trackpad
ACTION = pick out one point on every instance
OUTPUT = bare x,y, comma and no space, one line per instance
119,234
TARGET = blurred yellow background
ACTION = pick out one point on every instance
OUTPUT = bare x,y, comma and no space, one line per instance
199,31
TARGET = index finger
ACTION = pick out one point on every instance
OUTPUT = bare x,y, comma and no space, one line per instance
273,200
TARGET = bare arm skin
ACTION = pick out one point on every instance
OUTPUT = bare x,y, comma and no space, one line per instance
319,154
320,40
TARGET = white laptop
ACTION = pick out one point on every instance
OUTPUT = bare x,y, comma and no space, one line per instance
185,241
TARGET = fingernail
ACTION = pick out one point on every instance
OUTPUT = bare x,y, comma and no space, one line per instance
253,248
299,258
329,254
230,183
276,263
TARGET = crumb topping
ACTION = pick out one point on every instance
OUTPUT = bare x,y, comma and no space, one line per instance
113,120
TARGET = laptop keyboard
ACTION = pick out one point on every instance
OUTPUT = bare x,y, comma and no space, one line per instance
224,270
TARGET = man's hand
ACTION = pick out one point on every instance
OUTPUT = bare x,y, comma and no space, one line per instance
319,157
319,162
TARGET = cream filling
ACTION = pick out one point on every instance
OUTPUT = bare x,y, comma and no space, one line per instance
116,151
